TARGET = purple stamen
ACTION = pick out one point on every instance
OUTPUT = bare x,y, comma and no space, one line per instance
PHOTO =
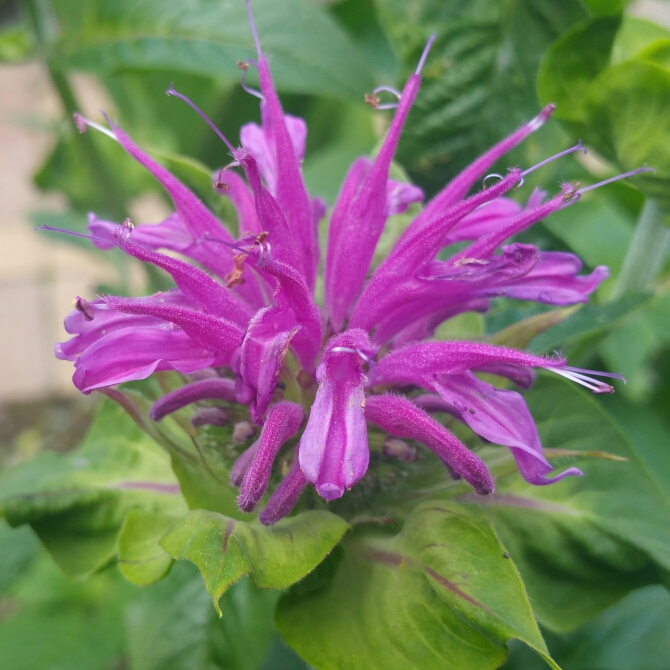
374,100
52,229
82,122
611,179
205,118
499,177
424,55
577,147
122,235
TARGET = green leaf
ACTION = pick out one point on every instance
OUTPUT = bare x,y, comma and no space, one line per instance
16,43
443,591
605,7
635,37
76,503
519,334
309,52
584,542
478,80
277,556
18,547
569,66
141,558
587,322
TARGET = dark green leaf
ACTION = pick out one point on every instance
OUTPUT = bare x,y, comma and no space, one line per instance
277,556
442,590
583,543
76,503
18,547
605,7
309,52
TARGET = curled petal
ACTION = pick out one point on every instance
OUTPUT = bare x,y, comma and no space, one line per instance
501,417
401,418
135,353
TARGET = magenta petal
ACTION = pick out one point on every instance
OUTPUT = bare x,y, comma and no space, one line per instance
242,464
285,496
230,184
483,220
401,418
283,421
135,353
290,189
420,364
458,187
399,195
334,447
261,357
218,335
204,389
501,417
348,260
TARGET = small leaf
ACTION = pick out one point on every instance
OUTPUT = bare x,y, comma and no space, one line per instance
519,334
444,590
277,556
142,560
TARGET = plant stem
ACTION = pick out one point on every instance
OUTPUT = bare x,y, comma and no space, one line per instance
646,253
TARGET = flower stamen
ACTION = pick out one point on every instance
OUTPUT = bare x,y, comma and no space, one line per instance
571,150
205,118
617,178
82,124
244,66
577,375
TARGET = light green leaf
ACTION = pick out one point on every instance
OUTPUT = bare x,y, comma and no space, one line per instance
16,43
635,37
141,558
76,503
519,334
605,7
584,542
277,556
443,590
308,51
18,547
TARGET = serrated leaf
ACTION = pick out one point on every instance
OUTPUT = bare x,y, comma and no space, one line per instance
76,503
142,560
308,50
584,542
443,590
275,557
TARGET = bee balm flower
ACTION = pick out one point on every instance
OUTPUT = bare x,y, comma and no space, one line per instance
244,310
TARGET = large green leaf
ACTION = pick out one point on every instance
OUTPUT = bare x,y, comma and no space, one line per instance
277,556
310,53
583,543
443,591
77,502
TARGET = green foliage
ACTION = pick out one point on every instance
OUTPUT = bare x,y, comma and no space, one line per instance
619,107
443,589
76,503
583,543
276,557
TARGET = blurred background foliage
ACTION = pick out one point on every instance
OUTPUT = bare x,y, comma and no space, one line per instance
493,64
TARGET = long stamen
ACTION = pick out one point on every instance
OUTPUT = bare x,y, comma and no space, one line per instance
577,375
577,147
52,229
611,179
82,122
205,118
424,55
374,102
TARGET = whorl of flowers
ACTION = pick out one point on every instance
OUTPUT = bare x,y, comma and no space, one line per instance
243,315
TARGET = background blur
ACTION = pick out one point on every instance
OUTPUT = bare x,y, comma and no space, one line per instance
58,56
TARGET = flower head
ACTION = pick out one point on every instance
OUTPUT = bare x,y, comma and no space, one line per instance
244,310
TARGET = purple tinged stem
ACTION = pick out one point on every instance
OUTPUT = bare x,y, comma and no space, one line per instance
205,389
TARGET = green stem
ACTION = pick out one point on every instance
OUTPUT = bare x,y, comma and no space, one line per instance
646,253
112,194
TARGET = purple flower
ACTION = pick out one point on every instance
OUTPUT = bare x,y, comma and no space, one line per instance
244,309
